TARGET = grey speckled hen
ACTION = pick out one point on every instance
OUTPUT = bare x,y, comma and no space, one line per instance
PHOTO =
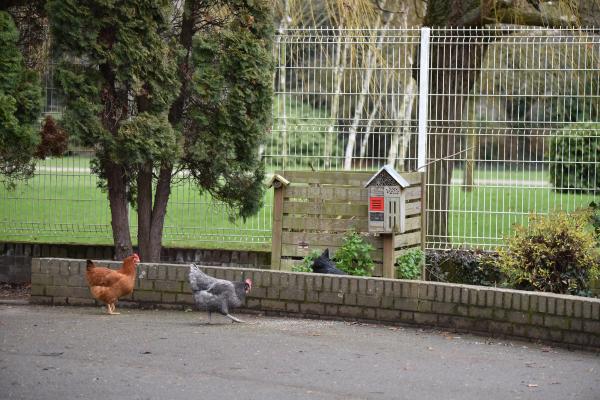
217,295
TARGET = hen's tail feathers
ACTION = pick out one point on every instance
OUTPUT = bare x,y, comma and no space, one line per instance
89,265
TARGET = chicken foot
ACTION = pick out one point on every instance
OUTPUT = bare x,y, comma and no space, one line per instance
111,309
234,319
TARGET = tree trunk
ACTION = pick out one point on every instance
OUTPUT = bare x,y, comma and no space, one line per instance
365,140
339,65
456,58
471,147
402,124
151,217
370,59
117,197
144,210
159,211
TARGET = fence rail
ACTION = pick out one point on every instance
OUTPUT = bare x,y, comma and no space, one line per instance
508,116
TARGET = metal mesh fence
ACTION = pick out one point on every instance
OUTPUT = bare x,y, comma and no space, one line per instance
520,109
511,116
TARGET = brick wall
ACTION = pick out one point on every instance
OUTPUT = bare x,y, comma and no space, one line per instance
570,320
15,258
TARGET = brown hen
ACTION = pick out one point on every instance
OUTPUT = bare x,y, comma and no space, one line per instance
107,285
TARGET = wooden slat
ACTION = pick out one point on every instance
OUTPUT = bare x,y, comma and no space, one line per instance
398,253
326,224
288,250
407,239
413,193
341,178
327,193
411,208
318,208
288,263
324,239
332,225
340,194
413,223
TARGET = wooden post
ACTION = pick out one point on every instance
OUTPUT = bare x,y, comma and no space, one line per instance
277,225
388,255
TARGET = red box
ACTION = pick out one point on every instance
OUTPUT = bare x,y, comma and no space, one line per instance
376,203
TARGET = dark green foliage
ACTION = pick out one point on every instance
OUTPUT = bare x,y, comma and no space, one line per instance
229,111
573,156
112,52
595,219
305,266
409,264
556,253
472,267
354,257
154,90
20,103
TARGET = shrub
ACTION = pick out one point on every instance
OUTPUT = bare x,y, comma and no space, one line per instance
54,140
354,257
555,253
471,267
574,158
305,266
408,265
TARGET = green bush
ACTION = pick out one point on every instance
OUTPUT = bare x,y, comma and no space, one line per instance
555,253
573,157
354,257
408,265
307,262
471,267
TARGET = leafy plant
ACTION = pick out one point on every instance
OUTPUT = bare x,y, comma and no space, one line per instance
305,266
354,257
408,265
573,154
555,253
471,267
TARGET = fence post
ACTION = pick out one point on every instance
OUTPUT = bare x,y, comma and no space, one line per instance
278,183
423,99
388,270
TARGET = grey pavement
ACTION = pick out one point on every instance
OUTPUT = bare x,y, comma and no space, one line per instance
79,353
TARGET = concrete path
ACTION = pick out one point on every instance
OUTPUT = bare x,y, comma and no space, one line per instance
79,353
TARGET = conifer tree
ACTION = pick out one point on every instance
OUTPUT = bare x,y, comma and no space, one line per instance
20,102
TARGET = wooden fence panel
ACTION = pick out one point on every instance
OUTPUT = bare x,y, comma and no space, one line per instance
317,209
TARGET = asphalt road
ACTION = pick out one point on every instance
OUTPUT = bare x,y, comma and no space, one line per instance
79,353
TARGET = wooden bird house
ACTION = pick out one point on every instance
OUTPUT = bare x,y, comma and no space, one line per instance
387,201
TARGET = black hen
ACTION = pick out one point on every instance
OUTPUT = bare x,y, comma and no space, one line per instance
324,265
217,295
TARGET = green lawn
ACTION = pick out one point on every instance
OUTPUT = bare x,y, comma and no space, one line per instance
62,204
485,215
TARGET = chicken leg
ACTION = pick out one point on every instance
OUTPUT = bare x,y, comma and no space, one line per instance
111,309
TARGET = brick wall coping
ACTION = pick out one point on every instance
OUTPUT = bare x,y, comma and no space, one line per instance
569,320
